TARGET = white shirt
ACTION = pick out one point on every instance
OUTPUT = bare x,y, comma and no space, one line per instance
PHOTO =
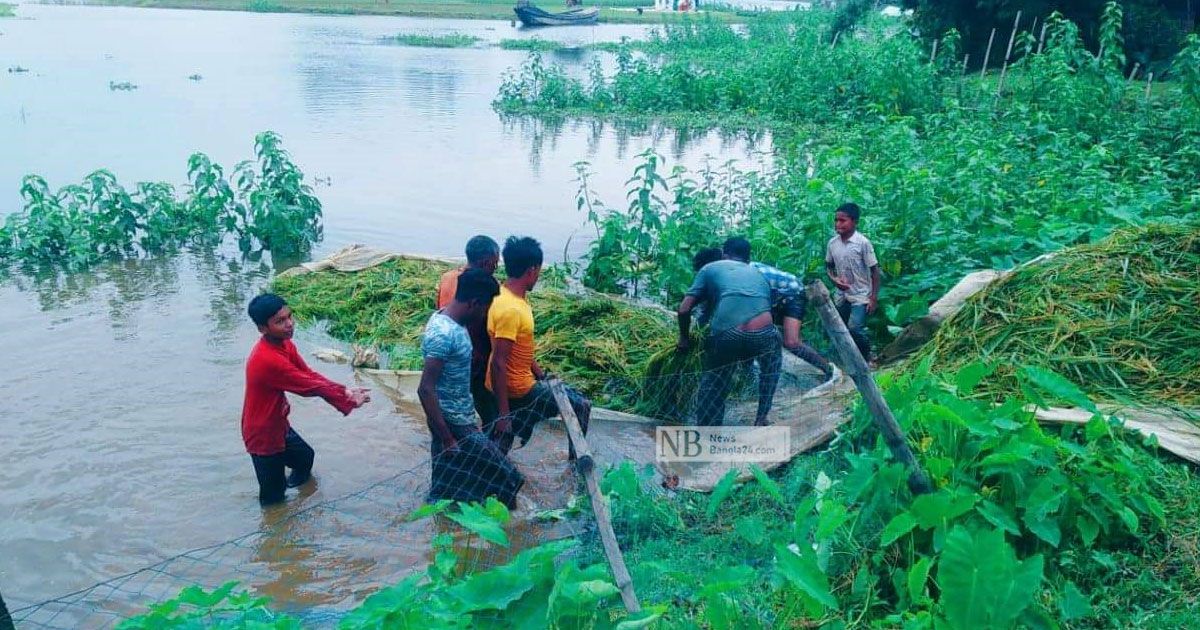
852,260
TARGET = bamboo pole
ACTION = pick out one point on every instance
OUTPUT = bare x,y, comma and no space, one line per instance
1012,38
1133,73
933,55
988,55
856,367
1042,37
1149,80
966,60
587,467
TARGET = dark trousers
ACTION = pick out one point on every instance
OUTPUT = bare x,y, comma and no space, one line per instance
537,405
855,316
485,401
473,471
272,482
6,622
723,353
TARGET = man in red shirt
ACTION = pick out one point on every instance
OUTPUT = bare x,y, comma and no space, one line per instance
275,367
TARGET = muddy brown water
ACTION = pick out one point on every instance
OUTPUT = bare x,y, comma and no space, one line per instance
120,387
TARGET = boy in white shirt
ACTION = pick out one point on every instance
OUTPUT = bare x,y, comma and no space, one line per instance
851,263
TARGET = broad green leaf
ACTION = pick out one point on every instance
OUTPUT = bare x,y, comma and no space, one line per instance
801,570
768,484
640,620
1129,518
1045,528
721,491
832,516
1073,603
900,525
1055,385
939,508
727,579
997,516
494,589
475,520
429,509
752,529
983,584
1089,529
970,375
918,576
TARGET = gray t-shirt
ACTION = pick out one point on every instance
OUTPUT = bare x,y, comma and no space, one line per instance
852,260
444,339
733,293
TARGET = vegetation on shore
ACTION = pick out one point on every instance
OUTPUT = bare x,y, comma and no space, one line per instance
7,10
612,11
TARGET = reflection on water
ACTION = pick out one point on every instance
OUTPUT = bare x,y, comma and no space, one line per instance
122,385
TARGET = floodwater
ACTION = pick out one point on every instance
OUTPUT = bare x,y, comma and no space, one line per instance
120,387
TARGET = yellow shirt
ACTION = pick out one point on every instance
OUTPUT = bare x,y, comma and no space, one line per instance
510,317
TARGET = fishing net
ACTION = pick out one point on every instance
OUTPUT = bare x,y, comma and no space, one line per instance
318,562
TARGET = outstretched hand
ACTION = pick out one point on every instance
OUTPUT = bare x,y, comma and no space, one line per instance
359,395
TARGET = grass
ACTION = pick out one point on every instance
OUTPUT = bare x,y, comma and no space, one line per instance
7,10
532,44
451,40
598,343
1116,317
613,11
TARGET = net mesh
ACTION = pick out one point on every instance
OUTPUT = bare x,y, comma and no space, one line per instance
319,562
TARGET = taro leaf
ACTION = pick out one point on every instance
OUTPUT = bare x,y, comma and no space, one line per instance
494,589
800,568
726,579
1045,528
474,519
939,508
918,575
496,510
722,491
997,516
197,596
1089,529
1129,518
752,529
832,516
900,525
768,484
970,375
577,592
1059,387
640,620
983,584
1073,603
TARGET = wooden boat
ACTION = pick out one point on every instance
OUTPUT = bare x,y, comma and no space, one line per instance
533,16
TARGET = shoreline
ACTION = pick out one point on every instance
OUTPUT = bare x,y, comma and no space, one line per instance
462,9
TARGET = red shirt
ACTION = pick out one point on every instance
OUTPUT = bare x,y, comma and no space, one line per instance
272,369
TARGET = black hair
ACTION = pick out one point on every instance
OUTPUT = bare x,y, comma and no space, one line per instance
521,253
737,247
705,256
851,210
480,248
476,284
263,307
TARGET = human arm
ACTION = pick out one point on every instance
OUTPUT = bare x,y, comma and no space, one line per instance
427,394
501,351
685,323
538,372
291,374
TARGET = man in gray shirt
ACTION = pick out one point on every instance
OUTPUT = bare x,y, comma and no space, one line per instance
466,465
850,260
738,301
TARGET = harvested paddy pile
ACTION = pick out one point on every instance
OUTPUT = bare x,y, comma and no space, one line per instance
1118,317
598,343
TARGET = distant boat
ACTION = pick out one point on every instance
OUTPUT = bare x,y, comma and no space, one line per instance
533,16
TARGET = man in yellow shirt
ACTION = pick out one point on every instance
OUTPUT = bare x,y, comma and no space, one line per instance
523,396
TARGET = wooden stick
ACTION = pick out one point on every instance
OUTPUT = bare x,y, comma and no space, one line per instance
966,60
1012,38
1033,29
933,55
856,367
1042,37
1133,73
1149,80
988,54
587,467
835,38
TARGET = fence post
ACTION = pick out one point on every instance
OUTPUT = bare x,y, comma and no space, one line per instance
856,367
587,467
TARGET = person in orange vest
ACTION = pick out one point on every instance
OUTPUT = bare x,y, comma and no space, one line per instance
482,253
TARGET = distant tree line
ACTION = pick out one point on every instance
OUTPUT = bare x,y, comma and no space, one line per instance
1153,30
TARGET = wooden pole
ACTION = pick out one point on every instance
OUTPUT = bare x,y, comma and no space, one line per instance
933,55
1133,73
856,367
1042,37
1012,38
587,467
988,54
1149,80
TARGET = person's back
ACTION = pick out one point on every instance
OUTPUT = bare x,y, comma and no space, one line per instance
734,291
